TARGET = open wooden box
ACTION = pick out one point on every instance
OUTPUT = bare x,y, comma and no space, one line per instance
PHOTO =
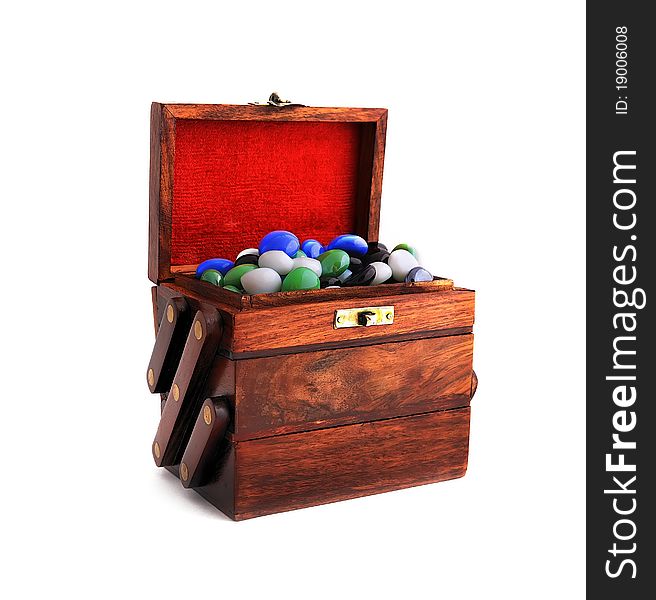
268,405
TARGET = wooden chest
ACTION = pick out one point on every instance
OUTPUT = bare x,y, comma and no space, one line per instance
268,403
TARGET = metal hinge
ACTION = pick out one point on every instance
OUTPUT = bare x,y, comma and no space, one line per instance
275,100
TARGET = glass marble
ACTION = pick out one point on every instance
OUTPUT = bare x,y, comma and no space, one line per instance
299,254
310,263
276,260
330,282
334,262
249,251
222,265
418,274
247,259
351,243
261,281
301,279
401,262
234,275
285,241
212,276
364,277
383,273
312,248
232,288
345,275
406,247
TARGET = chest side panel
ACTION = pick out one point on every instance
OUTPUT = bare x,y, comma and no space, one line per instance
313,390
294,471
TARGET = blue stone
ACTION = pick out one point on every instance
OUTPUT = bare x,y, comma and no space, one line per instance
222,265
312,248
350,243
285,241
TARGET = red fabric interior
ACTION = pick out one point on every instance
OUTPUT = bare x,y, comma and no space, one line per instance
235,181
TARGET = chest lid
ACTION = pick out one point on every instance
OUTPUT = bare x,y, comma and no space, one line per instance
222,176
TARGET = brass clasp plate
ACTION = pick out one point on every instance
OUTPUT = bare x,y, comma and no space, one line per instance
363,317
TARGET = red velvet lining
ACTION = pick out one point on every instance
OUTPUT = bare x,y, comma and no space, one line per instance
235,181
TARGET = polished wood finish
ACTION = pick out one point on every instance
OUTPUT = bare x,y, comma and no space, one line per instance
313,390
169,343
185,398
197,465
163,118
304,469
312,323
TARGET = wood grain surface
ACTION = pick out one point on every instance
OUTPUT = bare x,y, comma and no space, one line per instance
312,323
298,470
313,390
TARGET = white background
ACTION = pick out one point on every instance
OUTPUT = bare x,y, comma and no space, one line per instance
484,173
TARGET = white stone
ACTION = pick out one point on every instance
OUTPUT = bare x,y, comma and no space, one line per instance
261,281
401,263
383,272
254,251
277,260
309,263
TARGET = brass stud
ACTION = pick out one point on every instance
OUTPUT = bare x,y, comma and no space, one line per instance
176,392
151,377
169,313
207,415
198,330
184,471
157,450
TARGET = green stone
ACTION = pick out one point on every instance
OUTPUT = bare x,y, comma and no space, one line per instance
232,288
299,254
212,276
300,279
406,247
333,263
234,275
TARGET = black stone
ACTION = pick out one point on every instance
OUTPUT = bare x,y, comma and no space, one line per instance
379,256
375,247
326,281
364,277
356,265
418,274
247,259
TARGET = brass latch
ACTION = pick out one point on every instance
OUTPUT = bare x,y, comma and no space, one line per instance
276,100
364,317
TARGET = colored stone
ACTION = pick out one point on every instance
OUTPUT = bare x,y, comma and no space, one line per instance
247,259
261,281
222,265
299,254
330,282
301,279
356,264
378,256
408,248
284,241
309,263
232,288
401,262
234,275
312,248
418,274
345,275
353,244
375,247
364,277
212,276
249,251
334,262
277,260
383,273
